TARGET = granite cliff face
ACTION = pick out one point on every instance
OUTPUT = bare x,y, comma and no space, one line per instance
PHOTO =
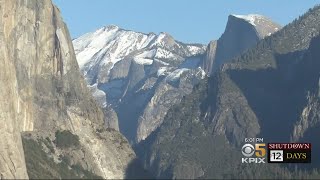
42,91
306,128
242,32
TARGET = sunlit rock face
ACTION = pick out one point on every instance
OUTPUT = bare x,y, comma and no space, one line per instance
42,90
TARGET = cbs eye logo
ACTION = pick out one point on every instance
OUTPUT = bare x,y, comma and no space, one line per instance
248,150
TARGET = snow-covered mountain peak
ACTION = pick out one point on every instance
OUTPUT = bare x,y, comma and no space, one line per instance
98,52
163,39
251,18
262,24
164,34
110,27
152,34
110,43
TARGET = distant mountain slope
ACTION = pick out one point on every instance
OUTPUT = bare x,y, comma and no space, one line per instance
139,75
270,91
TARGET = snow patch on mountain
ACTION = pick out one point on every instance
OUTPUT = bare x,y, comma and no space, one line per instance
165,54
202,73
161,62
98,94
194,49
175,75
251,18
147,54
143,61
160,40
161,71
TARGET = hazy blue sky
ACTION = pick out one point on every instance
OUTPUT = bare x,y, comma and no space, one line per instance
186,20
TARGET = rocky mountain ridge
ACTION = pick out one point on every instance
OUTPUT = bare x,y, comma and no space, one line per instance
138,75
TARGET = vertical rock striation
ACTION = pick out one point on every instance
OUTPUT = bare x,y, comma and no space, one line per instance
42,90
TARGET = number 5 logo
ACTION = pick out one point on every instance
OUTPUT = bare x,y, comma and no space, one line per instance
260,150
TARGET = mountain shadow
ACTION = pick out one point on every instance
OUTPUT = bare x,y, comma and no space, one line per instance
278,96
135,170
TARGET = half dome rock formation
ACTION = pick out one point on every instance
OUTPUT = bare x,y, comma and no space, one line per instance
242,32
43,93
